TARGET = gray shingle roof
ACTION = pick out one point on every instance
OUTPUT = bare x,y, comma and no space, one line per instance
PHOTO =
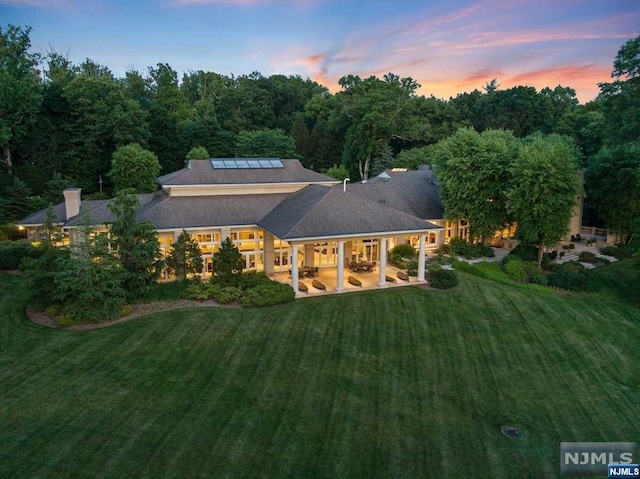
317,211
207,211
412,192
200,172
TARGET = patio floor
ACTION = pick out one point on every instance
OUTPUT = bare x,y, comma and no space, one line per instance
328,278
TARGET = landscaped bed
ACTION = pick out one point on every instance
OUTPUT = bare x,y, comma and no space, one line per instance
396,383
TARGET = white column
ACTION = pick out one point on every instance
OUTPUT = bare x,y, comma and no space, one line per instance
294,267
382,279
340,266
421,259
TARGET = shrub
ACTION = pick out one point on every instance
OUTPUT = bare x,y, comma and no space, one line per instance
527,252
268,295
412,268
169,291
572,276
516,270
66,320
404,251
443,249
227,295
616,251
460,247
201,291
251,279
587,257
12,253
126,310
54,310
538,278
397,261
443,279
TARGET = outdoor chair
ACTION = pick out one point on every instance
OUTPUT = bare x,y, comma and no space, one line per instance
354,281
303,287
318,285
403,276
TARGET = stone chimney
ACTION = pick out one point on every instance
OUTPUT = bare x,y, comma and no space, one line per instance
72,202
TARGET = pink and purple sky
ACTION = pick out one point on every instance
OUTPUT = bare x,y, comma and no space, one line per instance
448,46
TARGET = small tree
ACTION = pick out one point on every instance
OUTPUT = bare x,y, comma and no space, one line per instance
40,273
138,249
227,263
134,167
89,282
337,172
197,153
185,258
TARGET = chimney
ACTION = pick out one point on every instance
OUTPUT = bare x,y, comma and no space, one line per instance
72,202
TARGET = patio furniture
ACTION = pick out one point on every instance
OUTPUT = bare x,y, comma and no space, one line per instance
390,279
318,285
303,287
354,281
403,276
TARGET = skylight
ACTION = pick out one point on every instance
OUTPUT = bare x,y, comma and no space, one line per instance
233,163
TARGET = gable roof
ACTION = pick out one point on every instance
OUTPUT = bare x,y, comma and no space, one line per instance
414,192
321,212
201,172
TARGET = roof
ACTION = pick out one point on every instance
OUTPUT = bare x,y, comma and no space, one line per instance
207,211
201,172
167,212
412,192
318,211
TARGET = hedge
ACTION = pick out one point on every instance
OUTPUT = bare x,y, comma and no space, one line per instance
443,279
268,295
12,253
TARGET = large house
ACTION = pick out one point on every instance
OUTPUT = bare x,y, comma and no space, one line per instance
280,215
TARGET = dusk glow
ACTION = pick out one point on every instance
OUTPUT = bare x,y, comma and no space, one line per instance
447,46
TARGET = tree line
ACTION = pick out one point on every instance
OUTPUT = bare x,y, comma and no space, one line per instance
61,124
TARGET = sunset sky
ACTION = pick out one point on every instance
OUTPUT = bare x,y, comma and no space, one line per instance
448,46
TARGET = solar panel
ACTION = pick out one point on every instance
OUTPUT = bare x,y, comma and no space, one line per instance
232,164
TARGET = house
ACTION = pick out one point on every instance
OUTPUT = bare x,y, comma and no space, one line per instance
280,215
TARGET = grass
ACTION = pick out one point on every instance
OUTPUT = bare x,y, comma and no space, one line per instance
403,383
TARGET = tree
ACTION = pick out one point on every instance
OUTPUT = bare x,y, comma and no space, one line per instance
15,205
89,282
185,258
100,119
613,186
375,112
265,143
473,173
197,153
134,167
337,172
40,272
413,158
20,88
382,161
543,190
136,244
621,98
227,263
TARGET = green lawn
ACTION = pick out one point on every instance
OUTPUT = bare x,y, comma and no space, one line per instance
402,383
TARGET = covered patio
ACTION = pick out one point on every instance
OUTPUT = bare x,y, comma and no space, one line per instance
335,221
328,278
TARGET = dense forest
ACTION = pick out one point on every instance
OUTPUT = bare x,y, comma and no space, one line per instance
65,124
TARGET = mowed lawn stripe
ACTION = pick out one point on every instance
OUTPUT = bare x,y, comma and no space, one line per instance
397,383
